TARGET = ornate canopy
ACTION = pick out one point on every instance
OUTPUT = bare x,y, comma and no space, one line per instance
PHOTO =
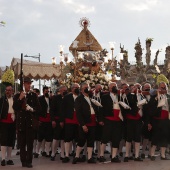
35,70
86,41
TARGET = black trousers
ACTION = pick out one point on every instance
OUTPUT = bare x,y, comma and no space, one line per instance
89,136
134,130
45,131
112,131
7,131
26,139
71,132
58,132
160,132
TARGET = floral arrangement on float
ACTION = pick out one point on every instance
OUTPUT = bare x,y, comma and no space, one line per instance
8,77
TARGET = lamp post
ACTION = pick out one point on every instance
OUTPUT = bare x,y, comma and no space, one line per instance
75,46
2,23
113,63
61,49
36,57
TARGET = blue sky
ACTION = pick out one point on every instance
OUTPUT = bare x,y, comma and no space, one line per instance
40,26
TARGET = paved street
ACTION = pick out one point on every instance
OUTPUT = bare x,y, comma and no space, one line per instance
43,163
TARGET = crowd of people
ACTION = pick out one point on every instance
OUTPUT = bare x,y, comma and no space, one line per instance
128,116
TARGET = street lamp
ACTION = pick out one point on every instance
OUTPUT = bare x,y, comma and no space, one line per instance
113,62
2,23
75,46
36,57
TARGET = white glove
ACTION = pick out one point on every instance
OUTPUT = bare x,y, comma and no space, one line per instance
29,108
96,102
13,117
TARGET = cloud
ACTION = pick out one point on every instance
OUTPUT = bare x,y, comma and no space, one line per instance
79,7
142,5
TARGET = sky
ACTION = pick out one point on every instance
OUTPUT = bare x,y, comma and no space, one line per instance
41,26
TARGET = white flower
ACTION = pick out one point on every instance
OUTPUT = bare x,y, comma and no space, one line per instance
96,79
101,81
88,81
86,75
83,79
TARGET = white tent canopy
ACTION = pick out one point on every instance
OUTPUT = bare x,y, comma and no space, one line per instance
35,70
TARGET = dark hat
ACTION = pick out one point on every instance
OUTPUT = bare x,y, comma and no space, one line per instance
27,79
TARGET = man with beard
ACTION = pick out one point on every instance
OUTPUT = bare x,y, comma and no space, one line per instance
71,123
45,131
146,128
26,105
7,123
160,104
133,120
57,118
112,122
86,115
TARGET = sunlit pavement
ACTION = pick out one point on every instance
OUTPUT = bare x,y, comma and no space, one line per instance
43,163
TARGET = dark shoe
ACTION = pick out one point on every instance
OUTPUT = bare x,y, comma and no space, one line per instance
138,159
29,165
24,164
143,156
106,152
3,163
83,158
18,153
52,158
36,155
75,160
91,161
72,153
152,158
47,156
126,159
102,159
149,156
165,158
121,154
61,158
131,158
116,160
94,154
66,160
10,162
43,153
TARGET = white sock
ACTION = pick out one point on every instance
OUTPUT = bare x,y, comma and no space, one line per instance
3,151
47,147
85,149
62,148
34,146
38,147
153,150
98,145
128,147
114,152
163,152
9,151
55,144
43,146
102,149
122,143
149,145
78,150
144,145
137,148
67,148
89,151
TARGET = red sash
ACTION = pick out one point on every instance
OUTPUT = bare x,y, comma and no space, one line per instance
93,121
133,117
72,121
45,119
115,116
164,115
8,119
